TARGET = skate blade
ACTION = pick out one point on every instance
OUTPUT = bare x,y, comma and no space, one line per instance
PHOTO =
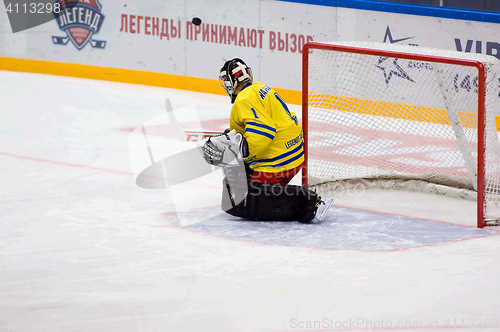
322,211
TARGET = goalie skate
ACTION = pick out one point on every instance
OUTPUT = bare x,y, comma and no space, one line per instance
323,207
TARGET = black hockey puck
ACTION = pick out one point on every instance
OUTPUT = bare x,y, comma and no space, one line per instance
196,21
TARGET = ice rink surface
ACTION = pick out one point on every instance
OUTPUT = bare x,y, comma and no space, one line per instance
85,246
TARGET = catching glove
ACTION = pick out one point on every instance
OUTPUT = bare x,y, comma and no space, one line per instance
227,149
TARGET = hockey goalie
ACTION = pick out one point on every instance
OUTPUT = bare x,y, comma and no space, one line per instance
260,154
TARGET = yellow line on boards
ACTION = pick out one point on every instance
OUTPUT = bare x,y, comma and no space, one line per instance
395,110
111,74
127,76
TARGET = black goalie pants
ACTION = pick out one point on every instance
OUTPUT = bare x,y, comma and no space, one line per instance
268,202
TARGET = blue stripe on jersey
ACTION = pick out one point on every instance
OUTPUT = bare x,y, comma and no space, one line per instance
263,133
286,162
261,126
284,155
282,103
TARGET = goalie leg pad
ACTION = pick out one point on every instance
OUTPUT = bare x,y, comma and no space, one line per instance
269,202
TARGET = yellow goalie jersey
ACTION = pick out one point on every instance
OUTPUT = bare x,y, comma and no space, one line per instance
273,133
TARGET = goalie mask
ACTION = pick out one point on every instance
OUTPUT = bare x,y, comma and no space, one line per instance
233,74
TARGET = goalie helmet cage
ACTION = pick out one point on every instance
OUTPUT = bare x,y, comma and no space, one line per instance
402,117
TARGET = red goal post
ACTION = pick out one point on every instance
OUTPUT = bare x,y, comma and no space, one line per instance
394,114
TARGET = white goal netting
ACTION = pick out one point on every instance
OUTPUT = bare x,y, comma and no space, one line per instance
405,119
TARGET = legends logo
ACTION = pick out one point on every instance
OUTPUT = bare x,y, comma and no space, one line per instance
80,19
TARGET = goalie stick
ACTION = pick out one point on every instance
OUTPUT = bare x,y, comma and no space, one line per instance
179,132
174,169
186,135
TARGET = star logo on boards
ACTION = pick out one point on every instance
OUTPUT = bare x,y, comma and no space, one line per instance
392,67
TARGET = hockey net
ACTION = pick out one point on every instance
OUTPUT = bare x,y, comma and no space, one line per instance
403,117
